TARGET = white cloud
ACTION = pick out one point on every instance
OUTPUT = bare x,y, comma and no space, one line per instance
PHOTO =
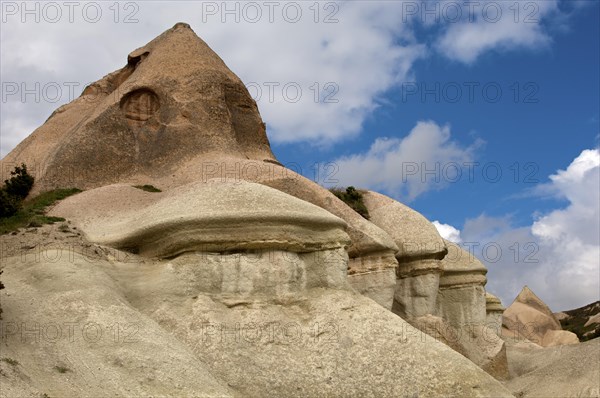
447,231
423,160
558,256
503,25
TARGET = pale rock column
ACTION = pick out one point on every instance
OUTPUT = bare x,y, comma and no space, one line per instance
462,304
494,310
420,249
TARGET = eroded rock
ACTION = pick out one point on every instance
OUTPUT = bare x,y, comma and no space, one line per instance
494,310
420,250
528,317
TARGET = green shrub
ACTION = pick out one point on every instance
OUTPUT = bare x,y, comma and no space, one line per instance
353,198
9,204
14,191
20,183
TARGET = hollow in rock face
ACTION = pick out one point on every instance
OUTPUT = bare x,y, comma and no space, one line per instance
140,105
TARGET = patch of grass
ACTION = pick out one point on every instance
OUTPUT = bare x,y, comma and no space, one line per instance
10,361
147,188
33,212
64,228
61,369
353,198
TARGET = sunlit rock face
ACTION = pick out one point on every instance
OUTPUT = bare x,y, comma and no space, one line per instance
529,318
462,303
174,100
251,240
461,300
420,249
494,310
176,114
242,274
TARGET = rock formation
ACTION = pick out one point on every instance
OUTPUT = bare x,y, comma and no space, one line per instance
461,303
210,217
175,114
528,317
494,310
420,250
242,277
583,321
439,287
268,315
560,371
461,300
175,100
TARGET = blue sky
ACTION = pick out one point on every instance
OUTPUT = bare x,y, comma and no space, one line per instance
377,59
547,114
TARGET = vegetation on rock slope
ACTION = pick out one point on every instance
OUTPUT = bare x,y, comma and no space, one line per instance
353,198
14,191
16,212
33,211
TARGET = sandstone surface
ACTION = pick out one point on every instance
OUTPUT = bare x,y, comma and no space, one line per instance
494,310
560,371
420,250
210,217
174,100
530,318
186,329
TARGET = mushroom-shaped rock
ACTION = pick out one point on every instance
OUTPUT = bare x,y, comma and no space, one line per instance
372,251
175,99
528,317
461,300
420,250
494,310
207,217
251,239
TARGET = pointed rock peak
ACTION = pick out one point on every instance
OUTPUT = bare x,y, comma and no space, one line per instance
183,51
182,25
173,104
528,297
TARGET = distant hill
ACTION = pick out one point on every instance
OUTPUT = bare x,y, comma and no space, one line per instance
584,321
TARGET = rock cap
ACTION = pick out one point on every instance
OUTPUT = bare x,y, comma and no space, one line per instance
415,236
205,217
460,267
493,303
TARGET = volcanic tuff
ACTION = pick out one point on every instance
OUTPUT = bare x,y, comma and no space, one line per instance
528,317
175,100
234,238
